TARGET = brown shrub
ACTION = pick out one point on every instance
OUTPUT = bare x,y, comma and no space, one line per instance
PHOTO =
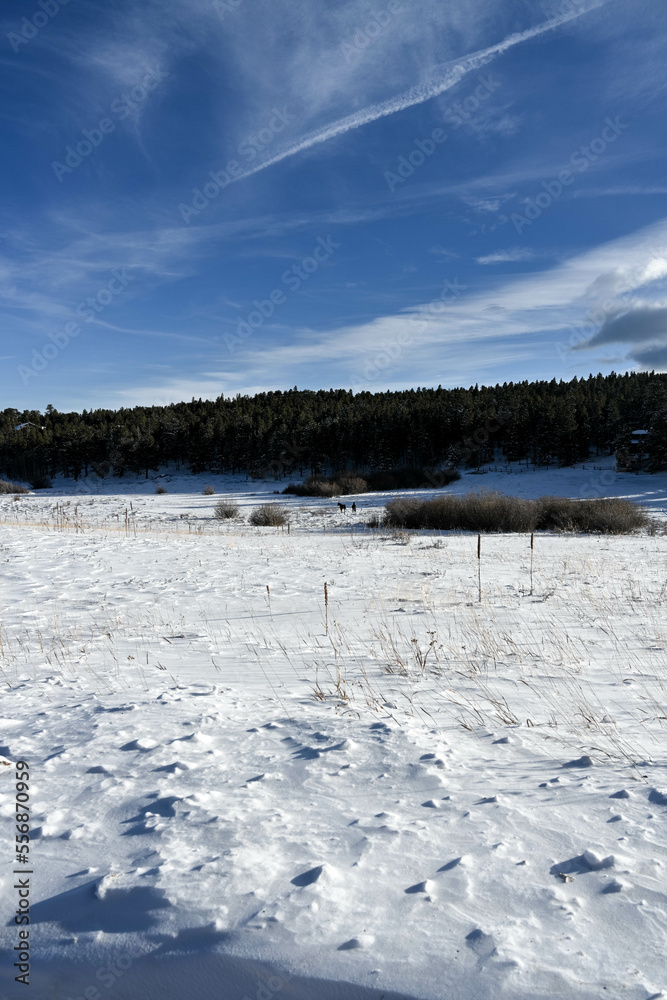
491,511
353,483
7,487
314,487
607,516
269,515
350,484
226,509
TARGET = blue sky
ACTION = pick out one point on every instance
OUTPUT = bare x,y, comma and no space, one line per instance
205,197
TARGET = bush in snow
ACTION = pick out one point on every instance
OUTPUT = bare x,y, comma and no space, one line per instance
491,511
353,483
6,487
225,509
268,515
608,517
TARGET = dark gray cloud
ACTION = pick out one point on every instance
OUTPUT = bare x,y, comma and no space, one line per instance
654,357
636,326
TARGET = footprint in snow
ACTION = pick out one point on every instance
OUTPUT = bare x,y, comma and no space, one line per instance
584,761
308,753
362,941
425,886
451,864
142,744
148,816
614,886
582,864
380,726
483,945
196,737
177,765
597,863
117,708
307,878
430,760
312,753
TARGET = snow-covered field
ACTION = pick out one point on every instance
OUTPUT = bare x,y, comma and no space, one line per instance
240,791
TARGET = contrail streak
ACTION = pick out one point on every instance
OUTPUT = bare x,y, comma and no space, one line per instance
444,79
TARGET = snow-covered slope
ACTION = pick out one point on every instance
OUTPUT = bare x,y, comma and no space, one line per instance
240,791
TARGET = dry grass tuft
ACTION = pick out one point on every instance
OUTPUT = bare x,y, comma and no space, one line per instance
7,487
225,510
269,515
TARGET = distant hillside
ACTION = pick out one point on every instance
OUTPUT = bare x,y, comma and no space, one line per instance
301,432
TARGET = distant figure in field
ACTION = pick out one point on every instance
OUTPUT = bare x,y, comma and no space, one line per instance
354,508
342,506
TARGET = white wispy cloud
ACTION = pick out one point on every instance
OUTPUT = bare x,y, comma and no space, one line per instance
505,256
443,253
442,79
476,325
465,338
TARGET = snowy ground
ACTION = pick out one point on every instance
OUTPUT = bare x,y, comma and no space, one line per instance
238,792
